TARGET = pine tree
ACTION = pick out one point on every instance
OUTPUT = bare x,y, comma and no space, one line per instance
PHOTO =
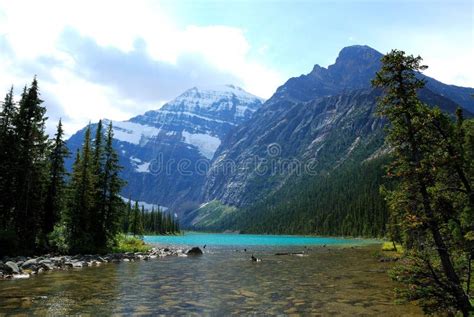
418,135
136,227
81,200
55,197
126,223
31,169
112,185
7,161
98,210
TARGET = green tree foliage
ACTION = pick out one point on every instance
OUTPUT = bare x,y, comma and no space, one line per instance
56,187
37,204
79,212
30,169
345,202
111,185
8,149
95,208
7,166
136,225
432,203
152,222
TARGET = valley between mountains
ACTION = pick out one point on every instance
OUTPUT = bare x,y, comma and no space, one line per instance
309,160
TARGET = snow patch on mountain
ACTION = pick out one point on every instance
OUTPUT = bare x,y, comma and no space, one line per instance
143,167
186,114
206,144
134,133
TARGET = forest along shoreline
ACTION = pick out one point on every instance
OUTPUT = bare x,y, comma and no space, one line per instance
22,267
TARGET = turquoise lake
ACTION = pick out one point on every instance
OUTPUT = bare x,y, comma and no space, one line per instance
238,240
298,275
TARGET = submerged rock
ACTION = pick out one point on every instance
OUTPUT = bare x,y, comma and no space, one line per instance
194,251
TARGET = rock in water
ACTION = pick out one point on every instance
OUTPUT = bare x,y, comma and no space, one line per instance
21,276
28,264
194,251
13,267
254,259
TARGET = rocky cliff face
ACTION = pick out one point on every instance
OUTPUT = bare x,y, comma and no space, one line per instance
161,149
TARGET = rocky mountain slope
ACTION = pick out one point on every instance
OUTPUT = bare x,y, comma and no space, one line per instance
165,152
318,121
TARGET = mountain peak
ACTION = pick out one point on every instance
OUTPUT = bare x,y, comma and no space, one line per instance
361,55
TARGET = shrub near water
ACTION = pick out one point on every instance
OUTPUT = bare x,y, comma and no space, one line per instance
388,246
125,243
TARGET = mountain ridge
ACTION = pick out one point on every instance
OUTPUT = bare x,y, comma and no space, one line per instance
286,117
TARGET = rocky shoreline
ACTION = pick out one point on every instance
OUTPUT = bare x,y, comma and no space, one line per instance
21,267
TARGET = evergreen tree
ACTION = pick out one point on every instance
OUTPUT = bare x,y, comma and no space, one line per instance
55,197
427,164
81,200
126,222
136,227
111,187
31,167
98,211
7,161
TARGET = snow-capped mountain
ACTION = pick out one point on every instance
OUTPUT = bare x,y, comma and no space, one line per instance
165,152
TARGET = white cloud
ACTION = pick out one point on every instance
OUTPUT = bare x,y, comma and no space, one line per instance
33,29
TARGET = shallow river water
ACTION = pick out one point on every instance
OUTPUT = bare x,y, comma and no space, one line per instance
338,279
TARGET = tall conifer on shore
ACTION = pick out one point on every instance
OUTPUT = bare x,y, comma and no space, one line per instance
432,201
81,200
56,188
7,164
31,168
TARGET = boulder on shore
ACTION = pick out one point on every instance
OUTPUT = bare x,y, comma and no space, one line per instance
194,251
13,267
29,264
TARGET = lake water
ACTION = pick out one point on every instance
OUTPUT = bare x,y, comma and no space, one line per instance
343,278
218,239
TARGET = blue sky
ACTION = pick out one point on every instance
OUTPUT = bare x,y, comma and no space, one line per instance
117,59
297,34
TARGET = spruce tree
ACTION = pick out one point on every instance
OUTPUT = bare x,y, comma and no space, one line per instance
136,227
55,197
81,200
421,141
98,210
31,167
7,160
127,217
111,187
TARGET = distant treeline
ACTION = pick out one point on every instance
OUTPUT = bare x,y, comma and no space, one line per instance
138,221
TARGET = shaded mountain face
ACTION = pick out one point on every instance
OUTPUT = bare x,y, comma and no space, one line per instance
162,149
316,121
